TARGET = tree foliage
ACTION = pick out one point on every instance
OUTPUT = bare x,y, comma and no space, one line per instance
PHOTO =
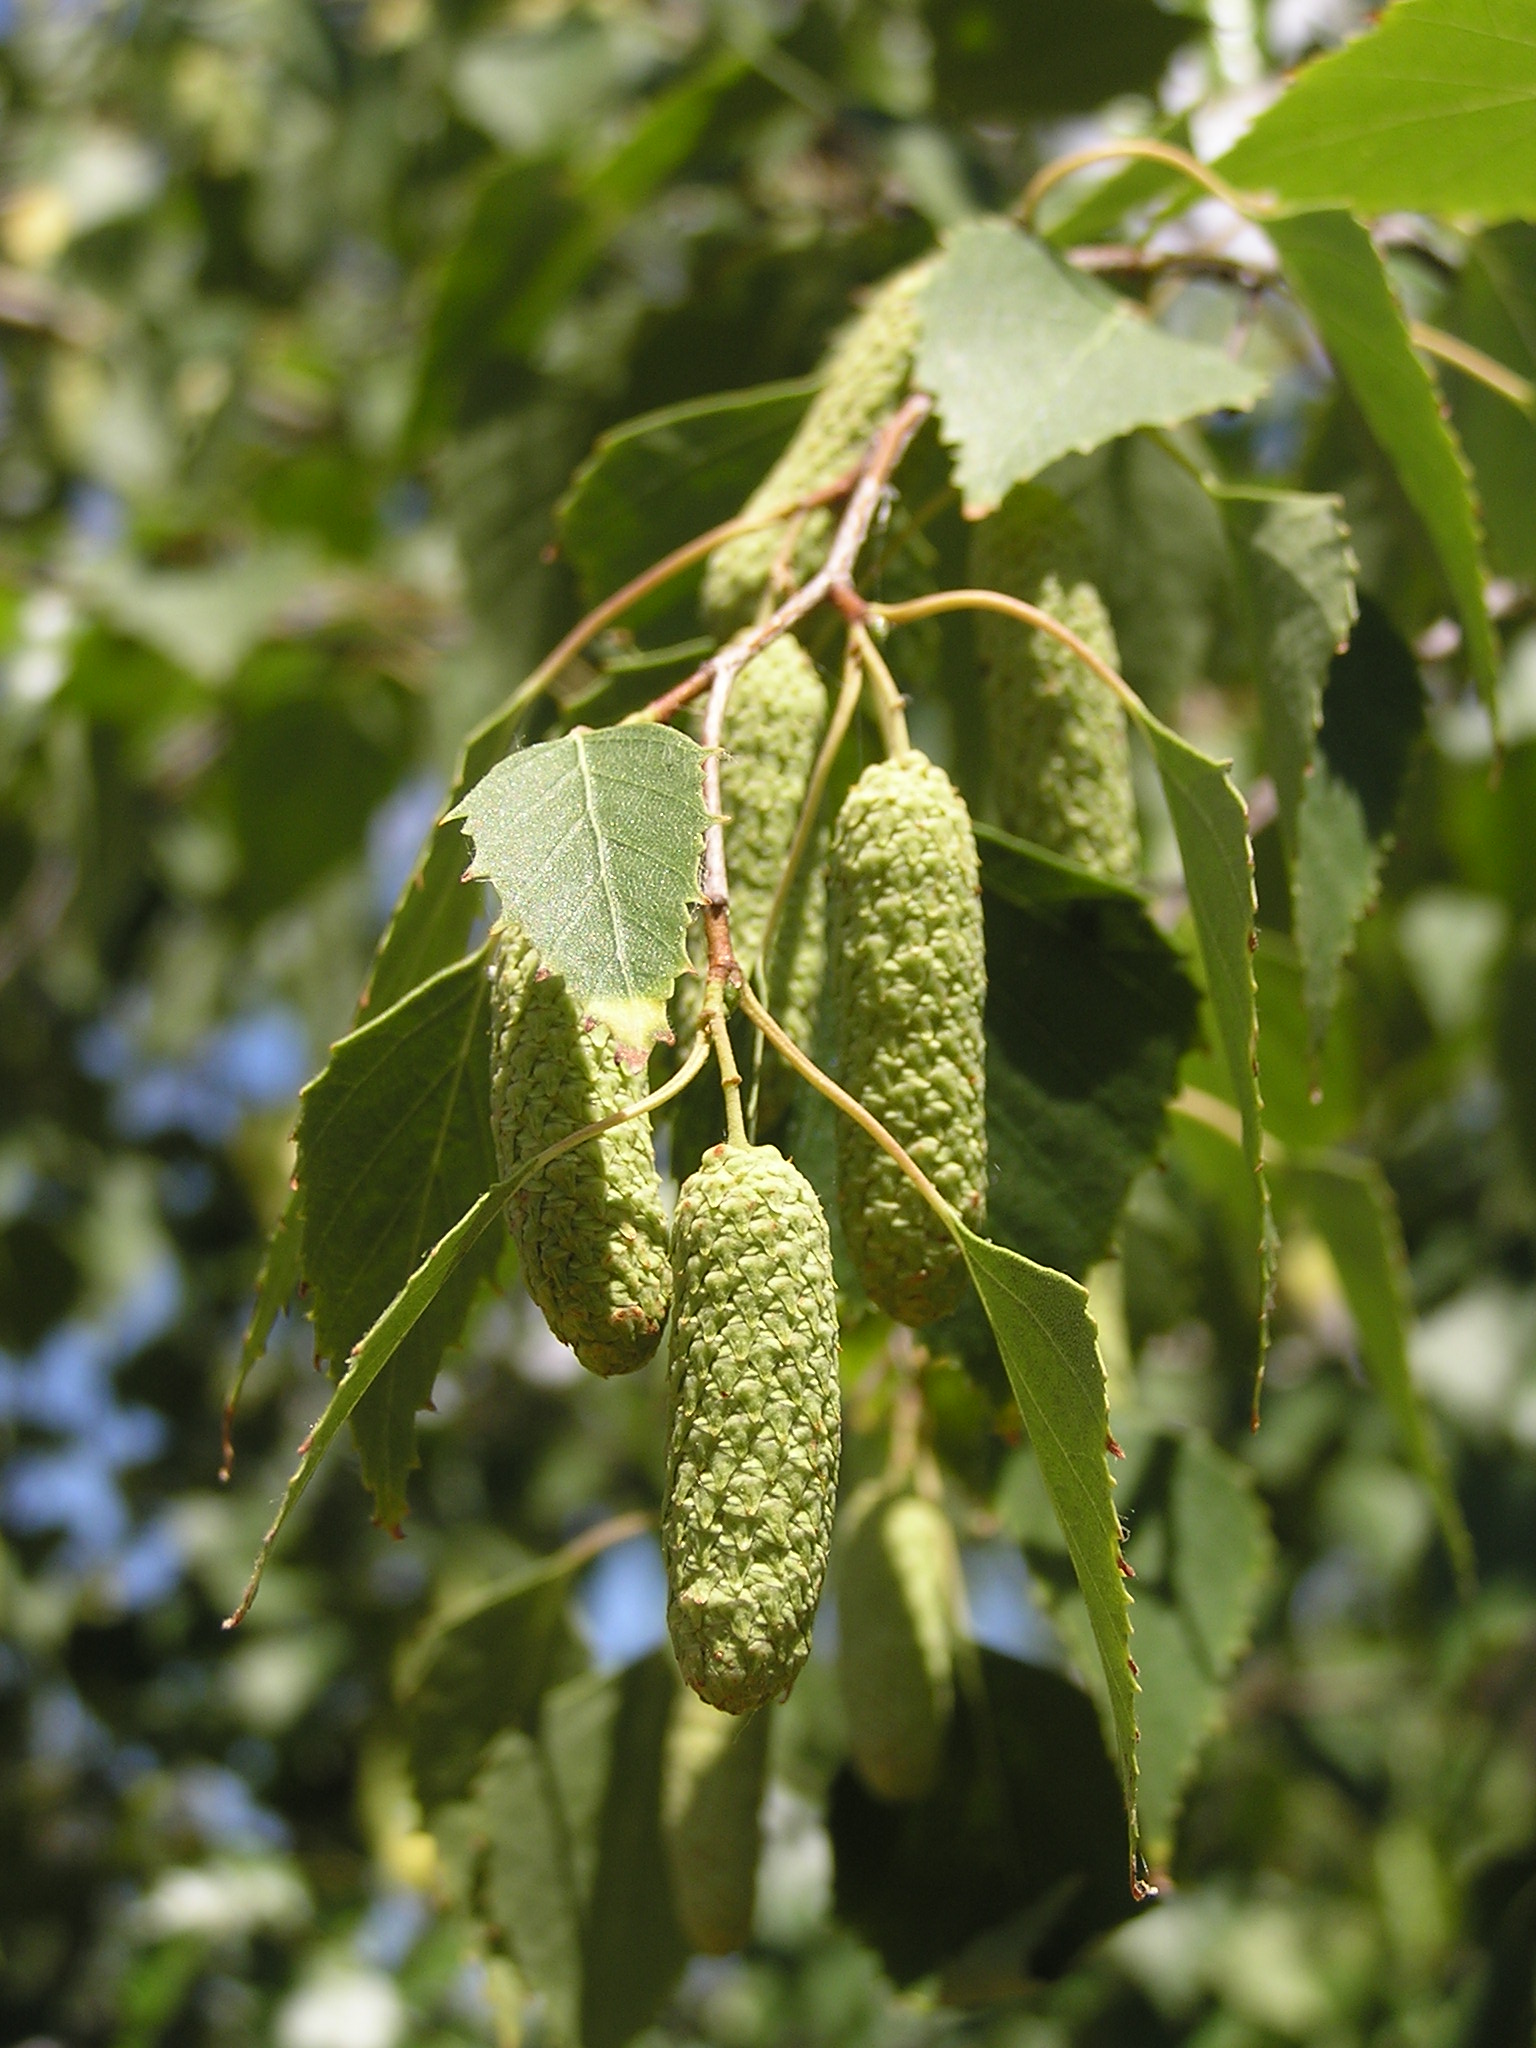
351,356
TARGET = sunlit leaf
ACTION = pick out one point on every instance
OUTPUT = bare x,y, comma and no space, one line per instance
1210,820
1050,1350
394,1145
1029,361
593,844
1433,112
1334,268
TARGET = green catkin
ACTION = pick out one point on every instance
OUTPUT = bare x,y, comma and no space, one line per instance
753,1432
899,1603
864,375
774,721
773,727
909,985
1060,752
590,1228
712,1789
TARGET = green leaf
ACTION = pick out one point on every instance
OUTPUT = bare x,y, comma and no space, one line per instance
1088,209
1351,1207
1030,361
632,1948
394,1145
1075,1091
499,480
275,1287
532,237
1373,713
1296,571
576,1877
518,216
1031,58
593,843
529,1895
432,921
427,931
1011,1863
1202,1552
658,144
656,481
1434,112
204,620
1332,265
1050,1351
1210,821
1160,559
485,1666
373,1353
1494,308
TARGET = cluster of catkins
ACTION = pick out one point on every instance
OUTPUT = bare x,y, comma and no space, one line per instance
888,912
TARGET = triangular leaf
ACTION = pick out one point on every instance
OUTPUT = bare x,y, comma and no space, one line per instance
593,843
1050,1350
1030,361
1333,267
1297,574
373,1353
394,1145
1351,1207
1435,112
1015,1859
1159,557
1194,1615
654,482
1210,820
1373,712
1075,1096
482,1667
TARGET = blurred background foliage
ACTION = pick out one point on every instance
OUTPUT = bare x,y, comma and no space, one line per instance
308,310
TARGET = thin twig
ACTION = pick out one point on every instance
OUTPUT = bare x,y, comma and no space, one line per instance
914,608
890,705
871,1125
1125,258
1252,205
681,558
730,1074
834,581
1472,362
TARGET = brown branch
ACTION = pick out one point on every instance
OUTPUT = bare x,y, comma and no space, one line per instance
611,608
833,580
